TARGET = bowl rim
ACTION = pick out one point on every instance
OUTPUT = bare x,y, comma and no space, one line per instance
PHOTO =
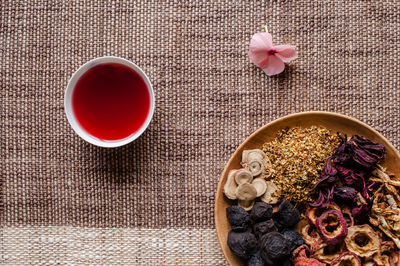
73,121
278,120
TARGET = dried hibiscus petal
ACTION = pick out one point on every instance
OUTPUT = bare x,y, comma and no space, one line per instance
328,174
325,185
332,227
358,151
242,244
274,247
351,163
238,218
362,240
365,152
347,258
353,177
342,153
361,213
357,179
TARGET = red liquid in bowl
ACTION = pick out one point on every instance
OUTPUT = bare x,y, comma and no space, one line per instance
111,101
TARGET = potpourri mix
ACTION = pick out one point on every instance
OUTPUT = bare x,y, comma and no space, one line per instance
310,197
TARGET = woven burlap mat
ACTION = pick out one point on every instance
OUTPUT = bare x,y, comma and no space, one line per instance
64,201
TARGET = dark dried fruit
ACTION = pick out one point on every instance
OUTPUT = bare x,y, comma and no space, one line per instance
345,195
274,247
255,260
347,258
238,218
260,229
269,262
286,262
332,227
242,244
287,215
261,212
294,238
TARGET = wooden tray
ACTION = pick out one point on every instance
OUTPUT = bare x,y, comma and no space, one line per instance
332,121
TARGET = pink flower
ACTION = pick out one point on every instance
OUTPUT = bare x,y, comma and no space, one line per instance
268,57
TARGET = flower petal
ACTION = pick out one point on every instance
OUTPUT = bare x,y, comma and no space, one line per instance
261,41
259,58
260,44
286,52
273,66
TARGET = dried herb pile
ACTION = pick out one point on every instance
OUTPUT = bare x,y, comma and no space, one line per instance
297,157
352,202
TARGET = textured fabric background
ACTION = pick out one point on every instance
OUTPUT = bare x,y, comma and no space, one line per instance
64,201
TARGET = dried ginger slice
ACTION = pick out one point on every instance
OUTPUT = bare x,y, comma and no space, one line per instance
252,155
246,191
230,186
243,176
273,193
261,186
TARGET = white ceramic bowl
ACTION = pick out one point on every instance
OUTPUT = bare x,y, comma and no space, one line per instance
70,113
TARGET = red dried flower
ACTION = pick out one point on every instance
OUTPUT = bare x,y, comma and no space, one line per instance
352,164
